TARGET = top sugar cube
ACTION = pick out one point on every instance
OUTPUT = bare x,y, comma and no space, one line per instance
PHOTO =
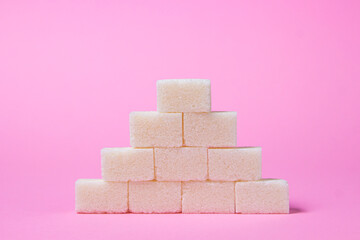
183,95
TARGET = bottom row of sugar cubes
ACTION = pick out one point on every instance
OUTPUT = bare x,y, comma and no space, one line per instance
263,196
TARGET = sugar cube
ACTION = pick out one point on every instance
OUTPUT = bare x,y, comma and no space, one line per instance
215,129
98,196
127,164
233,164
263,196
155,197
153,129
208,197
181,164
183,95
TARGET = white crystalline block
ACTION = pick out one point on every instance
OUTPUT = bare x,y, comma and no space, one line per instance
183,95
98,196
215,129
263,196
208,197
155,197
127,164
233,164
153,129
181,164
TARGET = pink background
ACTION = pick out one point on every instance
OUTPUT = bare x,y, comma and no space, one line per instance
71,71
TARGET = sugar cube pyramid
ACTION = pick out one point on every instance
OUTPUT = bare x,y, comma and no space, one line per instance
183,159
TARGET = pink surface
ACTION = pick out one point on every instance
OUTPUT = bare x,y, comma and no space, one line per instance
71,71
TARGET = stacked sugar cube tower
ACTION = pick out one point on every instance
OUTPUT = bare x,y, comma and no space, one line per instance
183,159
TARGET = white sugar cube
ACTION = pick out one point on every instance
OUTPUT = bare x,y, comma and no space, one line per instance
215,129
154,129
183,95
127,164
